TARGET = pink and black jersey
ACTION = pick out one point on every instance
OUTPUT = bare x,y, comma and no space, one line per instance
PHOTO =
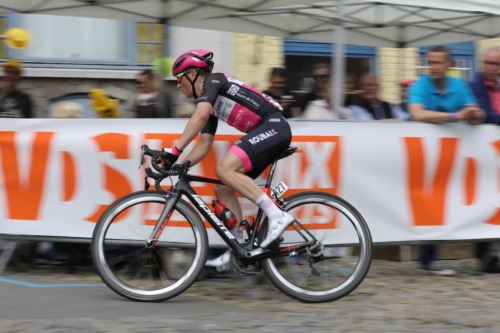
238,104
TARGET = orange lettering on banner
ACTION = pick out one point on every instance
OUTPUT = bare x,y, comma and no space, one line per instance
470,181
24,195
309,175
69,178
115,182
495,219
428,203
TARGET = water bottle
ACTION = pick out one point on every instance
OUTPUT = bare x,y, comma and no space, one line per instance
224,214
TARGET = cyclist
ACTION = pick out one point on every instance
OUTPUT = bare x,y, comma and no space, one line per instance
243,107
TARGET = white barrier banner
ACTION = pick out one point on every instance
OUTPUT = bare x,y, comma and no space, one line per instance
410,181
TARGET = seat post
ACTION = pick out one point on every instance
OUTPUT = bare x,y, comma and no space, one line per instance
271,173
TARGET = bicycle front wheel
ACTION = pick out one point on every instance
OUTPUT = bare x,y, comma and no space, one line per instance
146,273
344,237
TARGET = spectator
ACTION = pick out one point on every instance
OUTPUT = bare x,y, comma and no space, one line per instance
437,98
279,92
321,75
322,107
13,102
67,109
486,85
369,106
486,89
145,103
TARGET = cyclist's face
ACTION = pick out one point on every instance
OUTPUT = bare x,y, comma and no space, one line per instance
185,86
438,64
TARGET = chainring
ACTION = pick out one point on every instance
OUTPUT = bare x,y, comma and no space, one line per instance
244,270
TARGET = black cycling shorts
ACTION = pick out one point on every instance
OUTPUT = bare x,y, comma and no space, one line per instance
258,148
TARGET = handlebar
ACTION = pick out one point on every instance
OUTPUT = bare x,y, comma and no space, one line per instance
175,170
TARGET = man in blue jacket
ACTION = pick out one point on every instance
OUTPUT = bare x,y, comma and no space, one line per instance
486,89
486,86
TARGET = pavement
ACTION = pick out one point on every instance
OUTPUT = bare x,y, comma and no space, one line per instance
394,297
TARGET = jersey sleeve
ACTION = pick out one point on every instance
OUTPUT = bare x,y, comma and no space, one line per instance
211,125
212,84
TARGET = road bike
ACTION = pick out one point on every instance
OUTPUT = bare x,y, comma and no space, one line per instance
168,245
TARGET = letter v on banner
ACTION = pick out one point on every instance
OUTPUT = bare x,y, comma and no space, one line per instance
428,203
24,194
495,219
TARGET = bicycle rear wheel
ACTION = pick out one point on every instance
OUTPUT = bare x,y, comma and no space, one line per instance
326,218
122,259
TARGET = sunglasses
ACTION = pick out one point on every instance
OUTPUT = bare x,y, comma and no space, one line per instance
179,76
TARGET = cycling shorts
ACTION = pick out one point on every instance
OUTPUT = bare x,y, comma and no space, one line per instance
258,149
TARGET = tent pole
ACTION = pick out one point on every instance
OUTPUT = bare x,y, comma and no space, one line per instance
166,51
337,93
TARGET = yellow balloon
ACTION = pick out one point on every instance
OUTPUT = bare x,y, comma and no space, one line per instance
17,38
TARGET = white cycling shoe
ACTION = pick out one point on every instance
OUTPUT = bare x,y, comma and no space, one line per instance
221,263
276,228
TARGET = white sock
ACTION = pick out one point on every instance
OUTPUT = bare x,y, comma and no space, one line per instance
272,211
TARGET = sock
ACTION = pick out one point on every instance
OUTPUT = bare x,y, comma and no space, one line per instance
272,211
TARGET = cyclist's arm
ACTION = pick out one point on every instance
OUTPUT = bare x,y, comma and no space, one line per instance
201,149
195,124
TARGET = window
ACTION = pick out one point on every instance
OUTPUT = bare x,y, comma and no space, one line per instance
62,37
459,68
82,42
149,42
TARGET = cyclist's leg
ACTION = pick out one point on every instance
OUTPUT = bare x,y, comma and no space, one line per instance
248,158
228,197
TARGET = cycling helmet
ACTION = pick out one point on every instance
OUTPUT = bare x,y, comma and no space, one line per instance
195,59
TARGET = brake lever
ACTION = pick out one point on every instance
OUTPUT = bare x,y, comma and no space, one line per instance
143,159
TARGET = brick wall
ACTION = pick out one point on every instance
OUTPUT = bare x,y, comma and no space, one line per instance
254,56
395,65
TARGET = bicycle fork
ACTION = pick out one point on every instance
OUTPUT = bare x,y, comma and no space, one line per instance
165,215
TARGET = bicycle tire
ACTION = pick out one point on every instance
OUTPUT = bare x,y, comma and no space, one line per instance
181,285
354,280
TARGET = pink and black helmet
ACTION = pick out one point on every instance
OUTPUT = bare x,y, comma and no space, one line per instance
193,59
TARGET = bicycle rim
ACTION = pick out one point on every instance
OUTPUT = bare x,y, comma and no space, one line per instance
184,223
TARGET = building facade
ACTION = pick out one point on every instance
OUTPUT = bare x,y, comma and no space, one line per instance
71,55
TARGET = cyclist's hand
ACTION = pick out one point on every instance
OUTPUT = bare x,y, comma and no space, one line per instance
169,157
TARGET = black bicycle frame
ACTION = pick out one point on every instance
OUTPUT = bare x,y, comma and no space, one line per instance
247,254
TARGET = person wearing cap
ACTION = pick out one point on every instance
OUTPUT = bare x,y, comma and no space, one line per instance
13,102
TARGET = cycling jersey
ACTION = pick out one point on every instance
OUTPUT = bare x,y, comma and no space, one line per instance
238,104
252,112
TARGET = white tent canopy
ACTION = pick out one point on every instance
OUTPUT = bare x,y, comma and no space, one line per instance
387,23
